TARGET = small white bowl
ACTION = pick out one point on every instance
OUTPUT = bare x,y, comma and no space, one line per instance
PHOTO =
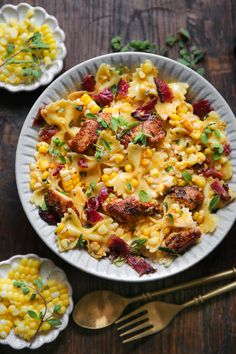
47,269
39,17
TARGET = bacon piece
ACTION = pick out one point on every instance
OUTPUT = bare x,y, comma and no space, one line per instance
164,92
140,265
38,119
201,108
57,170
85,138
103,97
221,190
58,203
93,204
227,149
47,133
180,241
89,83
129,209
122,88
143,112
190,196
212,172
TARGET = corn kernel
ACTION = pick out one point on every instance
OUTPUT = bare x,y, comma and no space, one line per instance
95,109
43,165
201,157
134,182
45,175
173,123
147,67
147,153
128,168
154,172
145,231
200,219
145,162
113,175
105,178
118,158
199,181
174,116
195,134
190,149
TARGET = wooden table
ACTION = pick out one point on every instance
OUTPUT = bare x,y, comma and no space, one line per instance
89,25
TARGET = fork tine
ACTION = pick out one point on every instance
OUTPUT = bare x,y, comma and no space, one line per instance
136,320
143,325
139,336
139,311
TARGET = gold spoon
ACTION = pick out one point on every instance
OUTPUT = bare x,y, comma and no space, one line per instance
101,308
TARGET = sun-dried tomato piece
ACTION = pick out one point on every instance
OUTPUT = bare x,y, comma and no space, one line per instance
212,172
49,217
143,112
103,97
57,170
201,108
82,163
164,91
122,88
140,265
47,133
38,119
227,149
118,247
221,190
89,83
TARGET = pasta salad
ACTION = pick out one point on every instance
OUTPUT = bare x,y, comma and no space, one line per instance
128,169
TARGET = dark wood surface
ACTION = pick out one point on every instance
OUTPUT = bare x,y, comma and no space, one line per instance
89,25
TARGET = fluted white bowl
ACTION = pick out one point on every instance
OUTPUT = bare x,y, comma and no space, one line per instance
169,69
47,269
39,17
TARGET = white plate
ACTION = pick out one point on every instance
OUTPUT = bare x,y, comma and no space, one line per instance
39,17
69,81
47,269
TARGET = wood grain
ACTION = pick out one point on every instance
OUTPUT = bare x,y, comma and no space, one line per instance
89,25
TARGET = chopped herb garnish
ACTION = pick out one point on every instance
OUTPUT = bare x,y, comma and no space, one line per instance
218,150
33,297
141,138
62,159
119,261
44,206
99,152
213,203
169,168
78,108
57,308
58,142
113,89
129,187
103,123
33,315
217,134
10,49
38,283
171,218
137,244
54,322
106,144
168,250
60,110
187,176
90,115
143,196
204,137
90,189
25,290
81,242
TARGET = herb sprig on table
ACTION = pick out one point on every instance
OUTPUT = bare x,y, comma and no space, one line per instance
31,45
189,54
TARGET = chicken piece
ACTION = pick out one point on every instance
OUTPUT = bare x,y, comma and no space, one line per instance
129,209
58,203
83,142
152,127
180,241
190,196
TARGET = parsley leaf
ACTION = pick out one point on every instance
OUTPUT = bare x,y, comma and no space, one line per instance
141,138
99,153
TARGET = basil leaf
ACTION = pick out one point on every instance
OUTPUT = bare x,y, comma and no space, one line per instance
168,250
57,308
90,115
204,137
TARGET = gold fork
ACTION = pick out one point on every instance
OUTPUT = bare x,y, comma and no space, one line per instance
154,316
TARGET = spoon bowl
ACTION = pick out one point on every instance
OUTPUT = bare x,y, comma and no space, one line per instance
99,309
